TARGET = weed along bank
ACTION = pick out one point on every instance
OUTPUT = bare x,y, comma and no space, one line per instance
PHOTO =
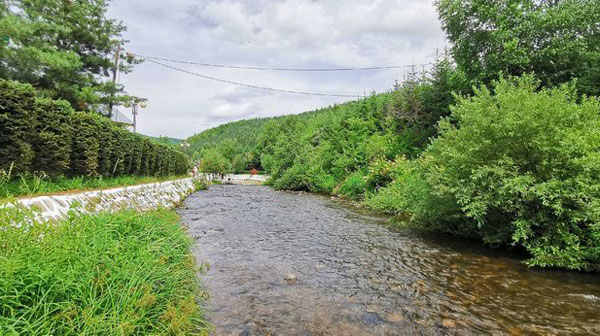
102,262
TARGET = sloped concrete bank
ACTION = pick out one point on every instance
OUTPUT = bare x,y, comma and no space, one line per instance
141,197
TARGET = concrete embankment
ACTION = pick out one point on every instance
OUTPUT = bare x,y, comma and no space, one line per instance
141,197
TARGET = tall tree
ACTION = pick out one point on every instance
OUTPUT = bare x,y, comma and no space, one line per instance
64,48
558,40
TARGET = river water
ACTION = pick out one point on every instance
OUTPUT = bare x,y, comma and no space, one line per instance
356,276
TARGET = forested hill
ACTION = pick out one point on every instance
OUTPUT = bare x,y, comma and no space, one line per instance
347,136
164,140
243,132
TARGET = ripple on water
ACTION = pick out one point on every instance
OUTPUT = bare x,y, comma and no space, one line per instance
355,276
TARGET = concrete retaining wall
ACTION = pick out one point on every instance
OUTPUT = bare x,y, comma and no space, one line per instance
142,197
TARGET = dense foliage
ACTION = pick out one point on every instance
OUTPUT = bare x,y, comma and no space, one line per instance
127,273
322,147
40,134
518,166
65,49
556,40
227,147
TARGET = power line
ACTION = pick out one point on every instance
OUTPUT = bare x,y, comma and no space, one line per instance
247,85
280,69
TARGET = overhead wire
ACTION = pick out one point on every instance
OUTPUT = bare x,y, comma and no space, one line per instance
245,84
280,68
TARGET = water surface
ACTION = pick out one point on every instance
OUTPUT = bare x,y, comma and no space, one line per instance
356,276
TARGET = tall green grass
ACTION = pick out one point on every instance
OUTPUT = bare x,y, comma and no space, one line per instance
123,273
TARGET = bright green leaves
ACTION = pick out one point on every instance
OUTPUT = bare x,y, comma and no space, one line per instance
558,41
213,162
520,165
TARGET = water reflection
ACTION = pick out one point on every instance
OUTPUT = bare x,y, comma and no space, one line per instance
355,276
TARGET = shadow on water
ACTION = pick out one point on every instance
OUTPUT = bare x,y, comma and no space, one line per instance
356,276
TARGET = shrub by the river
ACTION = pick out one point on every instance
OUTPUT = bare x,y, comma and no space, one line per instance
112,274
354,186
517,165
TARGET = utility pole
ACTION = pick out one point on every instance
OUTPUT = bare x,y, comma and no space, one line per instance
134,112
114,79
141,102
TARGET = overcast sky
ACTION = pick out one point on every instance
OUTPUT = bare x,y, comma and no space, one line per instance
266,33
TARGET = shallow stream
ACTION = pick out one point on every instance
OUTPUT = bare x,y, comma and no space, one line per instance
356,276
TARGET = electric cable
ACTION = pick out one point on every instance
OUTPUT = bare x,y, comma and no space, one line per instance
245,84
280,69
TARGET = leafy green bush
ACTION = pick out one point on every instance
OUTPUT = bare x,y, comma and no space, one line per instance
294,178
213,162
322,182
520,166
410,194
121,273
354,186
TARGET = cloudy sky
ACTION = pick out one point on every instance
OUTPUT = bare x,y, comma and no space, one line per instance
266,33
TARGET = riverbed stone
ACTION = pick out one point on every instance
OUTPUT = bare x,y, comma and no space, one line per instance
290,278
449,323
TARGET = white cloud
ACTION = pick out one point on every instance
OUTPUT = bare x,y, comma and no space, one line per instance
287,33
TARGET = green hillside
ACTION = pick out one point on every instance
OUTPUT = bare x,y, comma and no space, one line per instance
164,140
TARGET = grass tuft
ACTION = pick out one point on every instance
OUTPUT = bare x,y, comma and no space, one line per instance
118,273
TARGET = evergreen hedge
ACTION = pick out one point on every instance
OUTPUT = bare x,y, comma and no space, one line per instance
41,134
52,138
17,103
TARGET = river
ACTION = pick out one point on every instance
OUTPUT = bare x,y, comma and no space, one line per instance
356,276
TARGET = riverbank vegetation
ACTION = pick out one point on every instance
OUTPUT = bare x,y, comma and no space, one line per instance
113,274
498,142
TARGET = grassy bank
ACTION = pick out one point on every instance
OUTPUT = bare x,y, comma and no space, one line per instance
39,183
111,274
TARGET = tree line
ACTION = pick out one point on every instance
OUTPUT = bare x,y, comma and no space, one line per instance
500,142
